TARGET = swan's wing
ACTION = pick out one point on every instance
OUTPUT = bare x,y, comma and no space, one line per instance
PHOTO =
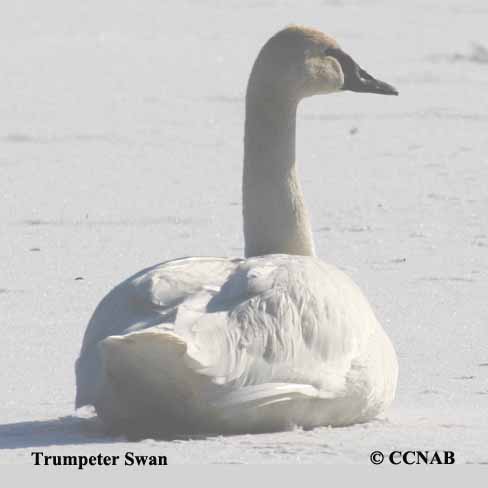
287,319
153,295
149,298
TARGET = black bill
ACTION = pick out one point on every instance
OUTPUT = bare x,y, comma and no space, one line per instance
359,80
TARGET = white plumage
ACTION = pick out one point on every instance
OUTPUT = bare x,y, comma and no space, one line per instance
222,345
230,345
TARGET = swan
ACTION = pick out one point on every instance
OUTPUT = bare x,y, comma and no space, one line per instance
217,345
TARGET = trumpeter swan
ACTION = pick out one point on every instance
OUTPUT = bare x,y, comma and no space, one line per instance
279,338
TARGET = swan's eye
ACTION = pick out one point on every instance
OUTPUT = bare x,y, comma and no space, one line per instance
327,51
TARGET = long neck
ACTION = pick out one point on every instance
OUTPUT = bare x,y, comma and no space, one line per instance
275,217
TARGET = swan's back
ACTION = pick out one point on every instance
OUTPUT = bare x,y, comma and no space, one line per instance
233,345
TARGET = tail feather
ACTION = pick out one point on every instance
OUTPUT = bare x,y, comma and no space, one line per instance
270,406
265,394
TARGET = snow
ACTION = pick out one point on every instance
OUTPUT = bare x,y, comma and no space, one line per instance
121,146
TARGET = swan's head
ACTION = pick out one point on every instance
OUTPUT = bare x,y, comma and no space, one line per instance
302,62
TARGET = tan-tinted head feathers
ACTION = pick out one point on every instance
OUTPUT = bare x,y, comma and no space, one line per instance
299,61
295,34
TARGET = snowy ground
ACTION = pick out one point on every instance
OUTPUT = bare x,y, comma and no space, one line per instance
121,146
